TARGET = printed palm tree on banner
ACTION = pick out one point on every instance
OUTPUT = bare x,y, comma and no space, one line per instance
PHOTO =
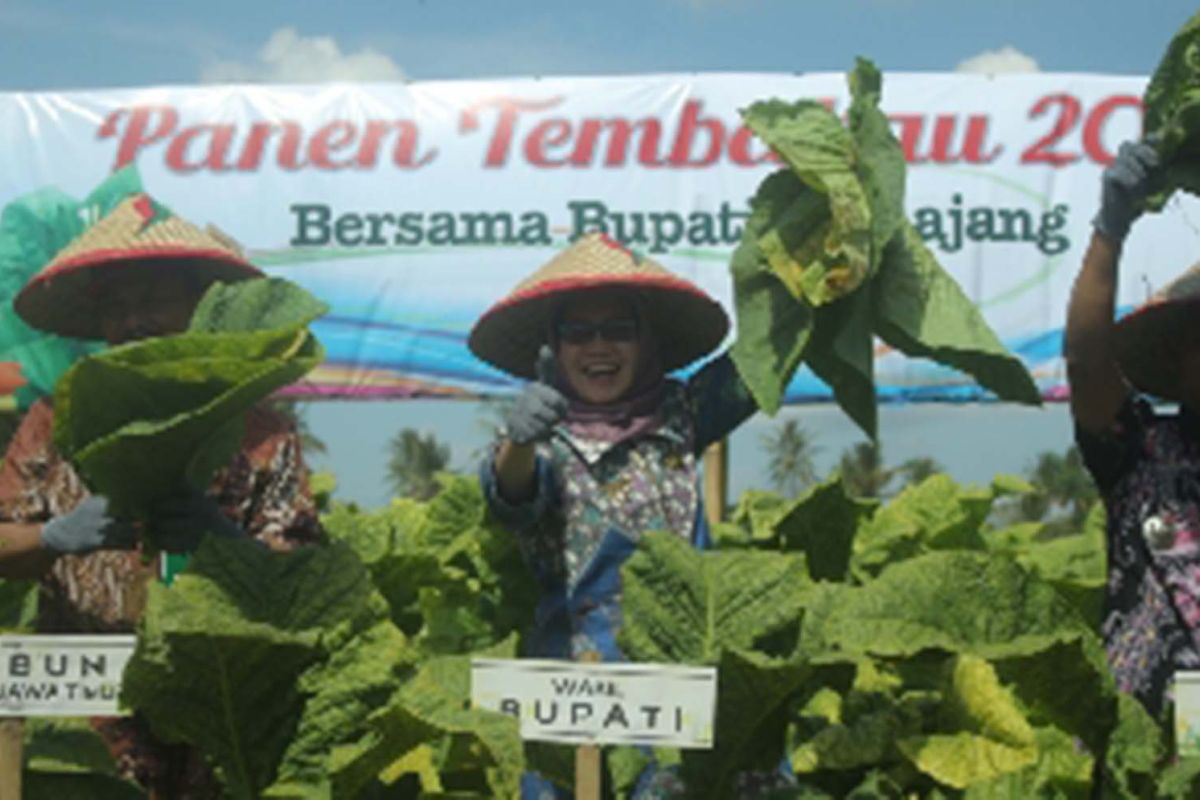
33,229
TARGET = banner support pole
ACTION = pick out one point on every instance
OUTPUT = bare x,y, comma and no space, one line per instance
716,481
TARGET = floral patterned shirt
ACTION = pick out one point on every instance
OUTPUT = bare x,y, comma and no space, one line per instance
595,499
264,489
1148,472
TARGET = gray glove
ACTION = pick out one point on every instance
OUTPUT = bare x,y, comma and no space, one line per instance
539,407
179,523
88,528
1126,183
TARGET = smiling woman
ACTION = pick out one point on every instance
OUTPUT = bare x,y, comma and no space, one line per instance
601,447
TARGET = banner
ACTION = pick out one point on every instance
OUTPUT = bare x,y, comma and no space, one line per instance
411,208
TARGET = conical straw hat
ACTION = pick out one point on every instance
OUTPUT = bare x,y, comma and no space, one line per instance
1152,341
138,232
687,322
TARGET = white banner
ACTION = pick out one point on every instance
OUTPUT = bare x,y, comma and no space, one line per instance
410,208
62,676
557,701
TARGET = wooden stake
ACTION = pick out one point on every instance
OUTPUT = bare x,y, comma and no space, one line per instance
12,757
716,481
587,758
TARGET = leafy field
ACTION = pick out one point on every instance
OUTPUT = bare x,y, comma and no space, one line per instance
900,650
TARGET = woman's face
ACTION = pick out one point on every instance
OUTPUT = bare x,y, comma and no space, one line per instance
599,348
137,304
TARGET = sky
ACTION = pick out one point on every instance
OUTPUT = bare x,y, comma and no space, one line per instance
55,45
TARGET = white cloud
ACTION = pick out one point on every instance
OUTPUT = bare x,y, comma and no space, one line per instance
1006,59
288,57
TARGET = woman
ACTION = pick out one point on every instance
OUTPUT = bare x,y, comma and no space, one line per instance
602,446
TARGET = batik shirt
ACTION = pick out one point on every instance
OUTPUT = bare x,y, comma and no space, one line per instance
595,499
264,490
1148,471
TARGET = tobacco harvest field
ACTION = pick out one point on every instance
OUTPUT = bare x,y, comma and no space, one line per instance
904,649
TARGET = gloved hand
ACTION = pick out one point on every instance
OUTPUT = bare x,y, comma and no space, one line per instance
179,523
1126,183
539,407
88,528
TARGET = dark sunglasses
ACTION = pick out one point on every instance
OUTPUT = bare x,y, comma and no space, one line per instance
623,329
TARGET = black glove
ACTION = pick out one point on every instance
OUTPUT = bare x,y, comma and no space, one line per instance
539,407
179,523
1126,183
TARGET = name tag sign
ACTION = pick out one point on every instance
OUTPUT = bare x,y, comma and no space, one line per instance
561,701
62,676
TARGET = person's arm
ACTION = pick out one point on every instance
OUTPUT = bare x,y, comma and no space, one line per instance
1098,390
22,554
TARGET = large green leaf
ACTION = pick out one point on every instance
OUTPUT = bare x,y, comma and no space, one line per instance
65,759
990,736
433,711
840,353
821,523
936,514
820,251
221,658
18,605
685,606
772,326
1062,772
954,601
880,163
921,311
1171,109
751,690
362,672
145,420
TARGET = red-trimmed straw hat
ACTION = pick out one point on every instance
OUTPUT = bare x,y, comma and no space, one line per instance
687,322
138,232
1151,340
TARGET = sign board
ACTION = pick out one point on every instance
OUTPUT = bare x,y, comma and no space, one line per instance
62,676
559,701
1187,712
411,207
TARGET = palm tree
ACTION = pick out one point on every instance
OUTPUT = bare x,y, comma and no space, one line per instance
790,453
863,471
1061,482
916,470
415,462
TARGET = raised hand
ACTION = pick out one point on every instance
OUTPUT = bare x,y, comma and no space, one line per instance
539,407
1134,175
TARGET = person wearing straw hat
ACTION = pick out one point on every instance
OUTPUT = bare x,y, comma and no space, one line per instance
601,446
1145,463
138,272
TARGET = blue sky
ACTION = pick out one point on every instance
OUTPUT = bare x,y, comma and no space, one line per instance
51,44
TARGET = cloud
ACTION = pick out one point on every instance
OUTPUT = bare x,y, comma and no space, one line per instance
992,62
288,57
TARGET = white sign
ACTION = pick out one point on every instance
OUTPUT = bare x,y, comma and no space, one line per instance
62,676
1187,713
558,701
411,207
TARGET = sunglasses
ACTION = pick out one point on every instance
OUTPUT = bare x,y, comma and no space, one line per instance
623,329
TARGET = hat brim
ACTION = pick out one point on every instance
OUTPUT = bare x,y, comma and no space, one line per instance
58,300
687,323
1147,348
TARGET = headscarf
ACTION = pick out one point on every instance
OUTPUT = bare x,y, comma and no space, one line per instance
639,409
